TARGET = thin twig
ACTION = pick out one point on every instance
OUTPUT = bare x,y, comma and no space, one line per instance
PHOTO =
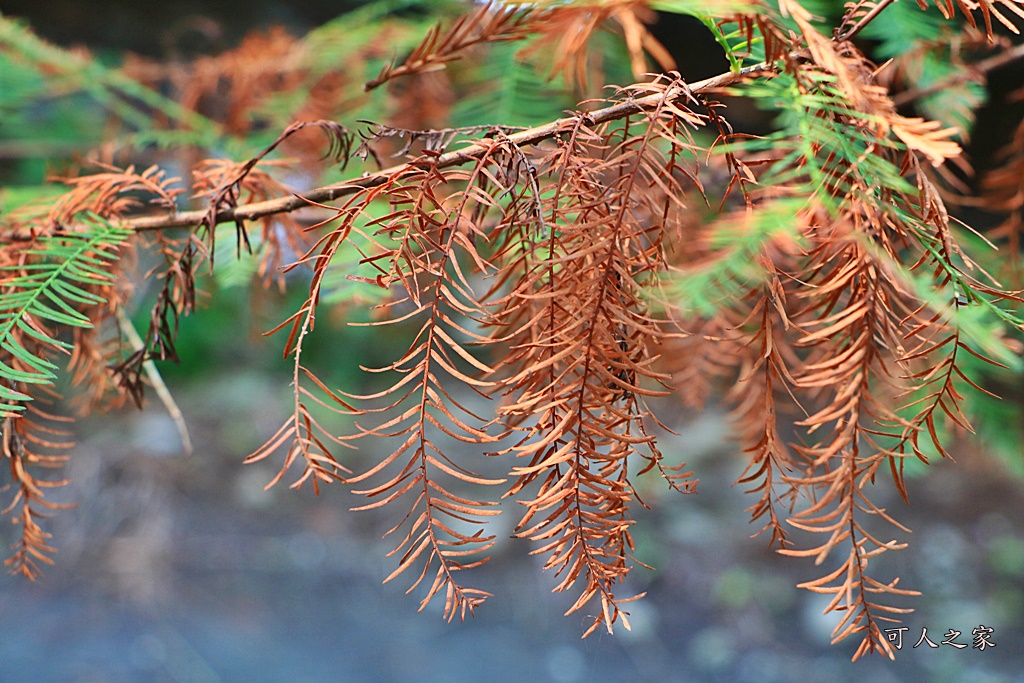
164,394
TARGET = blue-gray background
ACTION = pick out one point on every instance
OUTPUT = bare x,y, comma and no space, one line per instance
176,569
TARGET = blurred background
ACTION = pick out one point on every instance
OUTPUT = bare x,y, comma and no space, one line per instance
185,568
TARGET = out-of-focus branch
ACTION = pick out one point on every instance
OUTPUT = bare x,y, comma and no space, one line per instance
972,72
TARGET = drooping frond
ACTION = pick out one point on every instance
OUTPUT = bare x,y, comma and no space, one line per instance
425,249
584,338
31,444
302,435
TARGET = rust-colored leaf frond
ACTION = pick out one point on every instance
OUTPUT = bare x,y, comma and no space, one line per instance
32,444
228,86
302,435
222,184
565,30
488,23
180,259
112,194
584,337
766,378
989,9
868,354
426,250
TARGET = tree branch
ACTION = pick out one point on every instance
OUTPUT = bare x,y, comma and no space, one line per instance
629,107
469,153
